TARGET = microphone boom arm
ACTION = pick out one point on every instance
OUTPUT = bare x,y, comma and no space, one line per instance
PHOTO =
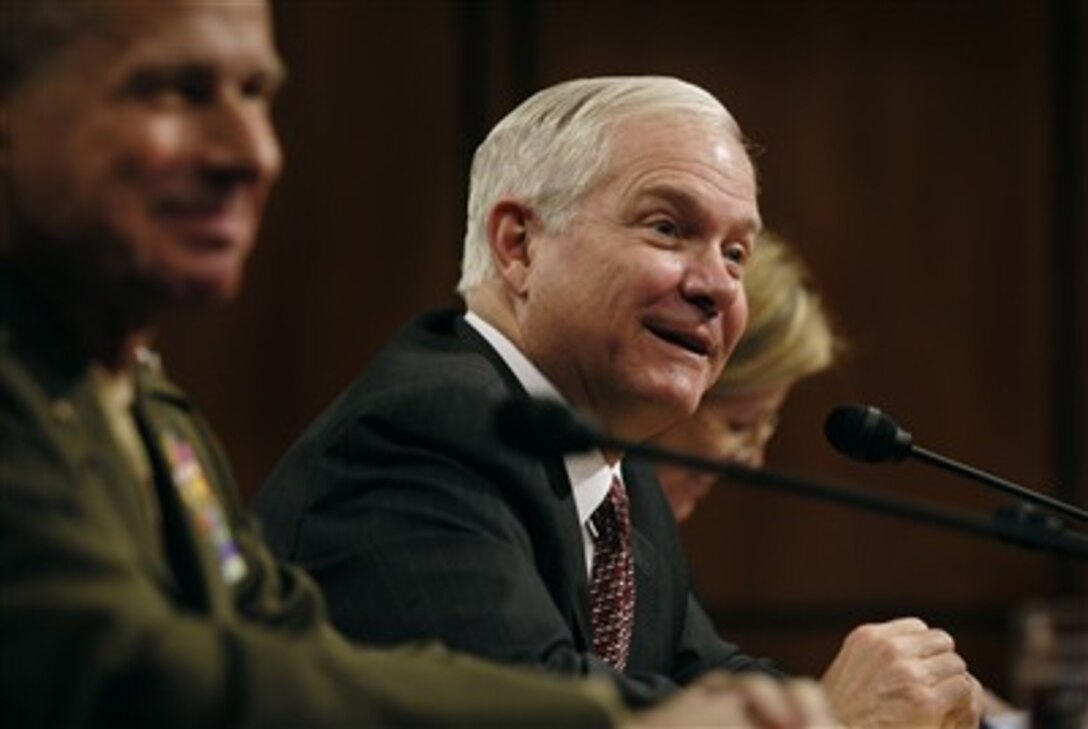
998,483
1018,532
866,433
548,428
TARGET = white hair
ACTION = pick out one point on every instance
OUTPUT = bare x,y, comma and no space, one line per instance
552,149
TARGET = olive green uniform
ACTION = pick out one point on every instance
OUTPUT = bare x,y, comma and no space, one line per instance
151,601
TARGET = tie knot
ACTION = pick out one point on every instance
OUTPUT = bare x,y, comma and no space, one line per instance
612,517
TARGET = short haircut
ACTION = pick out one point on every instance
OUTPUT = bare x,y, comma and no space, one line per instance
35,30
789,335
553,148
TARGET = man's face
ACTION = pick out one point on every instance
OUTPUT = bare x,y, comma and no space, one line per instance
633,309
144,153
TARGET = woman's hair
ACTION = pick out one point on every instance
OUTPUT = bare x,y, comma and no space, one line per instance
789,335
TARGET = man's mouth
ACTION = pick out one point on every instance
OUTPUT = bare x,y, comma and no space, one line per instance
209,221
691,341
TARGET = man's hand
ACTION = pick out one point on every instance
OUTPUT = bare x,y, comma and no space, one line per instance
902,673
723,700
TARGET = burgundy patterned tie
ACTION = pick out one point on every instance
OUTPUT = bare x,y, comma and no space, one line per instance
612,580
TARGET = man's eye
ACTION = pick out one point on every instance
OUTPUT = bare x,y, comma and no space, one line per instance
165,88
735,252
666,227
260,88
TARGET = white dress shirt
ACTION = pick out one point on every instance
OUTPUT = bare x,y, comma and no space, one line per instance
589,473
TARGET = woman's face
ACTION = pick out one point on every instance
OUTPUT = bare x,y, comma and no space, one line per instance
734,428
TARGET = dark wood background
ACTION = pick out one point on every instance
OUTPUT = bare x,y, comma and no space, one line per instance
927,157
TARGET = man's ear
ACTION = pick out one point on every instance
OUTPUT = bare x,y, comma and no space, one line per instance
509,225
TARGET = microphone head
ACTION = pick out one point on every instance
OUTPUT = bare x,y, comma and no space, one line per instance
541,427
864,433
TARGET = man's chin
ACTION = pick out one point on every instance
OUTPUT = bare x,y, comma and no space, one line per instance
680,400
197,291
656,412
210,293
203,272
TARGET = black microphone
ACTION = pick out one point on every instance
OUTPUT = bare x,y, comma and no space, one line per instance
864,433
549,429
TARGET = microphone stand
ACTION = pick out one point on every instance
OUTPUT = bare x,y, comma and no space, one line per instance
1020,528
547,428
975,474
866,433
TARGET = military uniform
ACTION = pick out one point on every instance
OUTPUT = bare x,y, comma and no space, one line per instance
135,592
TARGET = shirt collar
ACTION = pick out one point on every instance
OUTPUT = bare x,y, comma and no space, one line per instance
589,473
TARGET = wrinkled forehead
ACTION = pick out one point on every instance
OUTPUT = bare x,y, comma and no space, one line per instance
133,13
715,141
116,38
234,36
166,24
701,157
39,33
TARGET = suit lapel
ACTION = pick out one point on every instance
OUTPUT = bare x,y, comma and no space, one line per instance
183,548
656,572
572,564
565,567
123,494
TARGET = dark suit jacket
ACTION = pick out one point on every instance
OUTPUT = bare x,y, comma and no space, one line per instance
419,524
111,618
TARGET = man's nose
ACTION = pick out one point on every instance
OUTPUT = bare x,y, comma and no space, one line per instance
710,282
239,142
